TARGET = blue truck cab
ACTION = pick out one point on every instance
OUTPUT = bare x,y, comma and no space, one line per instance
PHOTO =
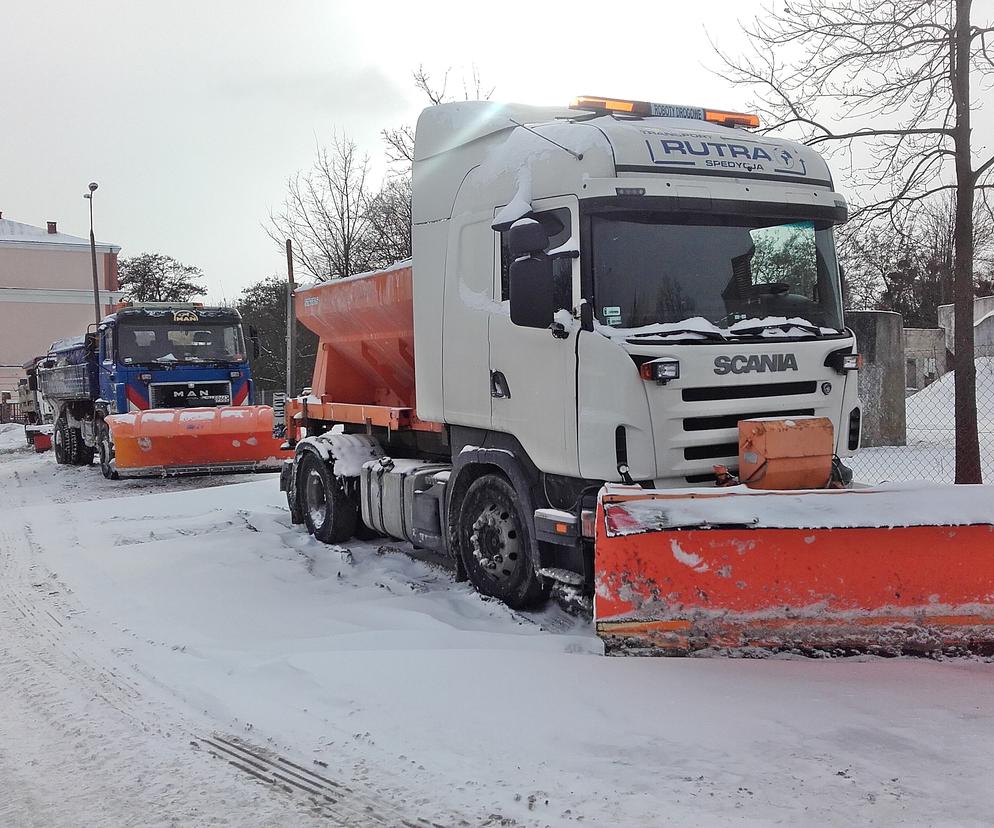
143,356
171,356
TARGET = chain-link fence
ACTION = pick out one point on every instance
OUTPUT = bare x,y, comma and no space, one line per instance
929,452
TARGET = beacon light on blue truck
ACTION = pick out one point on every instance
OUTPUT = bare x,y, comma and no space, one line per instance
648,109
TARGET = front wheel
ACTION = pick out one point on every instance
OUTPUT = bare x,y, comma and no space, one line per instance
105,451
330,514
495,544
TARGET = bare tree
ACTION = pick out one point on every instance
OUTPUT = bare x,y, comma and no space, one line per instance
906,264
890,82
389,215
338,223
325,213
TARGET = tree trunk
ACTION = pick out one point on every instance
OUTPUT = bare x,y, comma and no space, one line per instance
968,468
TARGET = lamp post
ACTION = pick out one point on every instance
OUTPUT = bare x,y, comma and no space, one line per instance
93,255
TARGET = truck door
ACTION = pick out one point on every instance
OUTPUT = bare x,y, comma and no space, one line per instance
533,373
105,364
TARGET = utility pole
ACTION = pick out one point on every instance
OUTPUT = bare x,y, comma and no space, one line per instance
291,323
93,256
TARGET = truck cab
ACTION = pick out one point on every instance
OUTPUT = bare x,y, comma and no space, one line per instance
172,356
143,356
679,274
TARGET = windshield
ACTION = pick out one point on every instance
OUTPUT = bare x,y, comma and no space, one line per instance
649,268
165,341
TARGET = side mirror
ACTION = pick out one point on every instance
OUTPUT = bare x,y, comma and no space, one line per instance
526,236
254,337
532,293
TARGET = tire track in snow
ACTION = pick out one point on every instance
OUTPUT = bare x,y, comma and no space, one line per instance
63,706
336,800
81,746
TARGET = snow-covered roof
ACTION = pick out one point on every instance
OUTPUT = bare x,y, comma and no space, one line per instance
18,234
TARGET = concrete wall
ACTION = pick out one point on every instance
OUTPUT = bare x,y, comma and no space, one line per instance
982,307
880,339
924,356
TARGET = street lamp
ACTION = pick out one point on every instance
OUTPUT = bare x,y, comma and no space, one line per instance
93,255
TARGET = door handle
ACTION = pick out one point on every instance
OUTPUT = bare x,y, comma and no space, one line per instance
499,389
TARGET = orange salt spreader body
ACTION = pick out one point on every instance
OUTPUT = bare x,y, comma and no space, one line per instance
195,441
786,564
364,370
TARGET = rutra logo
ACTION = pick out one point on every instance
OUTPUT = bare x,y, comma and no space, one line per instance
760,363
185,316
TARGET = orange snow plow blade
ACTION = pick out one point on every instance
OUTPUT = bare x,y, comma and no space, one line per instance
195,441
822,572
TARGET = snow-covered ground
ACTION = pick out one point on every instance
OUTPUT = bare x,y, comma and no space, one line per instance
149,625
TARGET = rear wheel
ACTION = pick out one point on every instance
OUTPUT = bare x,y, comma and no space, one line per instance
495,544
330,514
60,441
81,454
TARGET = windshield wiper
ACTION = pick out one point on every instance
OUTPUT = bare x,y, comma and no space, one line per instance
717,337
786,327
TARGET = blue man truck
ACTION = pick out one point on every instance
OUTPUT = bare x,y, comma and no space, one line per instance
158,389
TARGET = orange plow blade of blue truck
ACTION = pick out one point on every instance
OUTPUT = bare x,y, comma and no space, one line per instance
195,441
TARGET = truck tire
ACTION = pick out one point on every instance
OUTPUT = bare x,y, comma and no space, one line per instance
60,442
495,544
330,514
105,452
82,454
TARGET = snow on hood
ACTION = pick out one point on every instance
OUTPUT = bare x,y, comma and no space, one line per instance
699,328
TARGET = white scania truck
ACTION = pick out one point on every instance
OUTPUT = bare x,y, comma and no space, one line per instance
598,294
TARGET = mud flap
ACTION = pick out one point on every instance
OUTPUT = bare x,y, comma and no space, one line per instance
195,441
814,572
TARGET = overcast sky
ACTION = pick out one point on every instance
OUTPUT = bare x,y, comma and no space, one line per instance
191,115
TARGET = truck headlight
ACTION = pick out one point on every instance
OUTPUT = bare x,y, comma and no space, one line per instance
844,361
660,370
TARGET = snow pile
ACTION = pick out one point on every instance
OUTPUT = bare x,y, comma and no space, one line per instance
12,437
931,411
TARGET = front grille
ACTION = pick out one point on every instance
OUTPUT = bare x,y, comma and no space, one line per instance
732,420
711,435
190,394
712,451
741,392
